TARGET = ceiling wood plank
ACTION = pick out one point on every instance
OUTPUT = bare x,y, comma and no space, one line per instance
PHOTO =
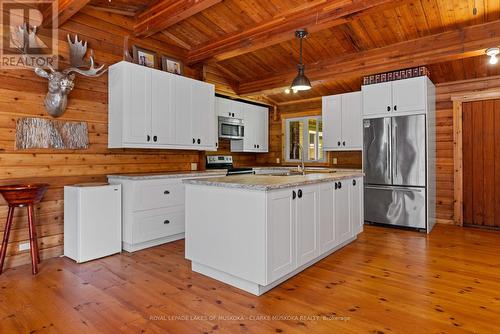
65,10
167,13
315,16
457,44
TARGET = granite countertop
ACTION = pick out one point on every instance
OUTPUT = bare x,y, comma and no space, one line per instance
267,182
168,175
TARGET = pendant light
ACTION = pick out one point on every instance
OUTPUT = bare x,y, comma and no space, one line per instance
301,82
492,53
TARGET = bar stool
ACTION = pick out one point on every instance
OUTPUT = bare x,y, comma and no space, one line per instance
22,195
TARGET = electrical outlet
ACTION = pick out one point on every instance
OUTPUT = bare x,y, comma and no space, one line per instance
24,246
278,160
334,161
194,166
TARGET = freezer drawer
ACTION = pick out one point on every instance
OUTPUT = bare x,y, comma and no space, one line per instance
395,206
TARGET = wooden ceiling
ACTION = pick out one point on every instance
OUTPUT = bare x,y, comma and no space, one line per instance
253,41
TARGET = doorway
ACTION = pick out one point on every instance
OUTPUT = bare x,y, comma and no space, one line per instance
481,163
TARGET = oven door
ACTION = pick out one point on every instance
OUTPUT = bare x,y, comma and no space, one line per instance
231,128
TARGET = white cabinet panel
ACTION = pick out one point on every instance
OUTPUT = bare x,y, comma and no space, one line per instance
281,234
332,121
162,117
307,224
137,107
154,225
181,107
377,99
262,138
352,129
409,95
158,194
326,217
202,114
356,205
342,212
256,133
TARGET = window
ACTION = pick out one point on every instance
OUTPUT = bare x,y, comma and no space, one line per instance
304,133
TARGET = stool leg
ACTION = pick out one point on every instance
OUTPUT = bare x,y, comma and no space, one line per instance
33,217
6,233
33,243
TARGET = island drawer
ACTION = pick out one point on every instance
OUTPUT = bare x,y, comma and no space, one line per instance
155,194
148,226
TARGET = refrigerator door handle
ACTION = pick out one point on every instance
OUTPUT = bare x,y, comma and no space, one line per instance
389,152
395,138
408,190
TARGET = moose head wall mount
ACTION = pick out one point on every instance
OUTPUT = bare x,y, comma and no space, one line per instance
61,83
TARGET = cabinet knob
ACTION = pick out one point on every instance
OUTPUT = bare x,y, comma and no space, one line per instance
148,138
338,143
343,143
194,141
336,185
299,193
294,194
155,138
388,108
229,114
353,182
340,185
166,192
395,108
166,222
232,114
258,146
199,141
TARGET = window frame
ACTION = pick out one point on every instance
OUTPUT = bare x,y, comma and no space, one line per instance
305,139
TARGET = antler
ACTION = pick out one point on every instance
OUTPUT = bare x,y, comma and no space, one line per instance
78,49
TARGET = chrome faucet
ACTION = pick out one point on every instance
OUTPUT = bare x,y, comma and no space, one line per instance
301,151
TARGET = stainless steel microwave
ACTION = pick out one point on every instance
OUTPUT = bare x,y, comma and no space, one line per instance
231,128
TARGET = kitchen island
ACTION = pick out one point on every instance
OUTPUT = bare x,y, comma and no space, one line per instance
256,231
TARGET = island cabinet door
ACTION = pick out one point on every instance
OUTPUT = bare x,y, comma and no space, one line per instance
356,205
281,221
343,229
327,240
307,224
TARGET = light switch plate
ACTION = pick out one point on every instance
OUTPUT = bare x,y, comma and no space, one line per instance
334,161
24,246
194,166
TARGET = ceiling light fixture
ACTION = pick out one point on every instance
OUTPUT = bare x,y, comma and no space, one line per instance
492,53
301,82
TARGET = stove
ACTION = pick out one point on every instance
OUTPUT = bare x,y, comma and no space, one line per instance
226,162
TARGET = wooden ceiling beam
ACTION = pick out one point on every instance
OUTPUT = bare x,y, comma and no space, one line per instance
65,10
315,16
166,13
457,44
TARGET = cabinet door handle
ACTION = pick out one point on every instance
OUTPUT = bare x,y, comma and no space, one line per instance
294,194
388,108
343,143
229,114
194,140
258,146
395,108
148,138
338,143
199,141
353,182
166,192
299,193
155,138
166,221
232,114
340,185
336,185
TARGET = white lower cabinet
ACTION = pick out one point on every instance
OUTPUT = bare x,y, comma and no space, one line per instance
356,205
307,224
153,211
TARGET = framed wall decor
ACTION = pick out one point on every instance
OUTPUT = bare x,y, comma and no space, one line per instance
145,57
172,65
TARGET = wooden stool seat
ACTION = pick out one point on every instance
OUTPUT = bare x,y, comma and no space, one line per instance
22,195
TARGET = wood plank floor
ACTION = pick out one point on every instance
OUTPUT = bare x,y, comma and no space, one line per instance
388,281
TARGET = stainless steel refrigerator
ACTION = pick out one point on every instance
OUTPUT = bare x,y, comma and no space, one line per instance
395,170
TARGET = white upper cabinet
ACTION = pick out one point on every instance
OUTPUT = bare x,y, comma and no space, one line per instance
149,108
377,99
228,108
407,96
256,131
342,122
